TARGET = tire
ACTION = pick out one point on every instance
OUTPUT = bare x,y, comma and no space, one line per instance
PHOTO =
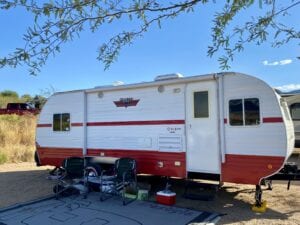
93,169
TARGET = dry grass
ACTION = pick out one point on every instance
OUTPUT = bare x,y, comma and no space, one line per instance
17,138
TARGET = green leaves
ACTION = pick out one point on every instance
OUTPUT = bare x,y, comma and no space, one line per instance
228,41
47,9
58,22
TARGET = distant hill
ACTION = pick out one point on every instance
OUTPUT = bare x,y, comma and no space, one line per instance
294,92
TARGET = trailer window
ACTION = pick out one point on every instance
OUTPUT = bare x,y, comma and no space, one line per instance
61,122
56,122
252,114
236,112
244,112
201,104
295,111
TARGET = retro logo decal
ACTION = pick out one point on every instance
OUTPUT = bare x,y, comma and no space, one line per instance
126,102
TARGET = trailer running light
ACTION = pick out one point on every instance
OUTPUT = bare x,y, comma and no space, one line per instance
270,166
160,164
177,163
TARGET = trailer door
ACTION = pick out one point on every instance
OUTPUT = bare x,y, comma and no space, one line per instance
202,128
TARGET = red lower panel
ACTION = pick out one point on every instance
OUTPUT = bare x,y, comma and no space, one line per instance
148,161
249,169
55,156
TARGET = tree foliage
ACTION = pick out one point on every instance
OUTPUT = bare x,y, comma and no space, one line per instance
8,96
58,22
26,98
9,93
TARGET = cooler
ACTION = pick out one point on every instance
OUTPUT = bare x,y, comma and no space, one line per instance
166,197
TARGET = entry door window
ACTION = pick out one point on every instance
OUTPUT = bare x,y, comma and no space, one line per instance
201,104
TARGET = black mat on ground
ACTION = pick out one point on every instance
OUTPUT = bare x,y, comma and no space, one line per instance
75,210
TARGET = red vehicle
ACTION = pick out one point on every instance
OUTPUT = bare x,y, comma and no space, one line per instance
19,109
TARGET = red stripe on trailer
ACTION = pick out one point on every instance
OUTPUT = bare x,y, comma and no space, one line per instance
44,125
54,156
50,125
153,122
130,123
76,124
272,120
249,169
149,162
124,123
243,169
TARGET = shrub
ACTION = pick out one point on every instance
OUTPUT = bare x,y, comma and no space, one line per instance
3,158
17,137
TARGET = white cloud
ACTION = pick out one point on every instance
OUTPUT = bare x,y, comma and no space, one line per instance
118,83
277,63
289,87
285,61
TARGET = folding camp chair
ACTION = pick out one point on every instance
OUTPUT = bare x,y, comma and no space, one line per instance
72,179
123,180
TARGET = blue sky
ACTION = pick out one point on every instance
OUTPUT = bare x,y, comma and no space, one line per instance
179,46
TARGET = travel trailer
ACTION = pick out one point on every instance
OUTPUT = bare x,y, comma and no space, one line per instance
293,102
228,125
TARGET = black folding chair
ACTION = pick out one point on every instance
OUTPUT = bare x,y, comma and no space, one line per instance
72,179
121,183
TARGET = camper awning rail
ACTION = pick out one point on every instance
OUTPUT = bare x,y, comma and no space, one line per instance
152,83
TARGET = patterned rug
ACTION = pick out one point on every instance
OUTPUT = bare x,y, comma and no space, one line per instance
75,210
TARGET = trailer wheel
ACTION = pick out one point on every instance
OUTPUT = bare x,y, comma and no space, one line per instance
93,170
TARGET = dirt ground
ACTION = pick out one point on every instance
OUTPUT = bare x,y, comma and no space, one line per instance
24,181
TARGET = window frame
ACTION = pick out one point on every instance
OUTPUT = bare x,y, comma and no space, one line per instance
60,122
259,112
244,113
208,108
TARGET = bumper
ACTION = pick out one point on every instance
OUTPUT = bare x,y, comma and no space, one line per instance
36,159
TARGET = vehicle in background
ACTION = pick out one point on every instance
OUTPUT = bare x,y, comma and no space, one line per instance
19,109
293,102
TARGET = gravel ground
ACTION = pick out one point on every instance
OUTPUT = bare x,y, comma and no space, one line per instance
24,181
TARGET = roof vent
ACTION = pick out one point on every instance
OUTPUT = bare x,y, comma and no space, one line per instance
168,76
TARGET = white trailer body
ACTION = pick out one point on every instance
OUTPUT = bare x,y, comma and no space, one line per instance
228,124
